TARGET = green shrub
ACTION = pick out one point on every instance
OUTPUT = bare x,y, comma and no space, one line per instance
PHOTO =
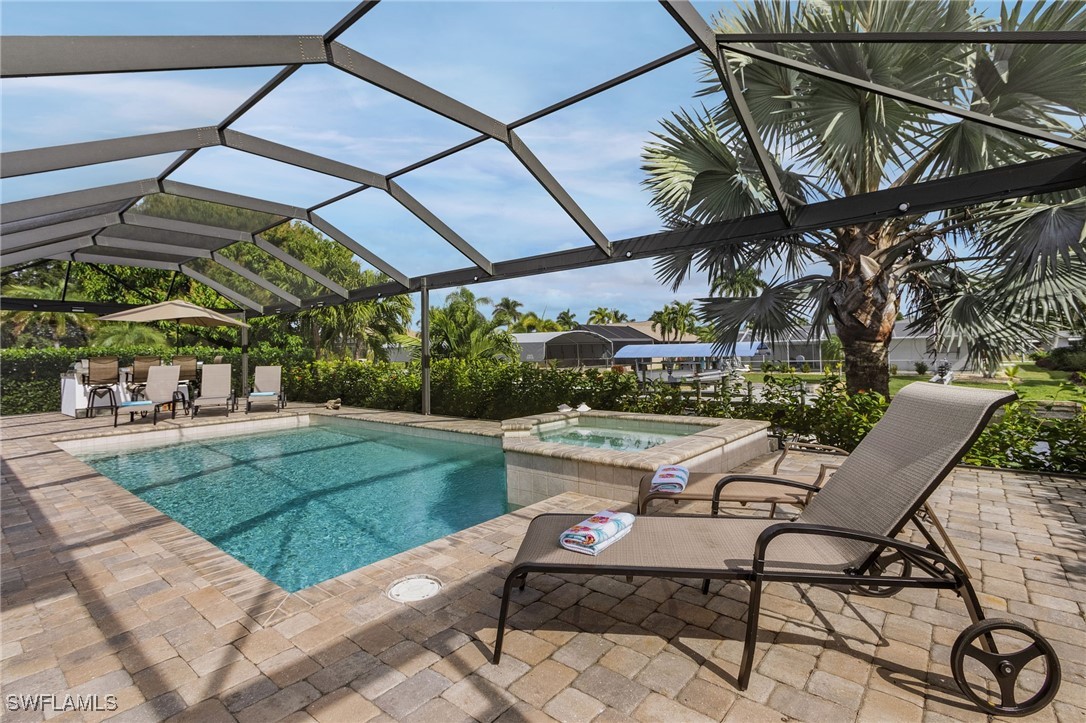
1068,358
921,367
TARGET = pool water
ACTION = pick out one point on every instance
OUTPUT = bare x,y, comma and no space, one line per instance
606,437
304,506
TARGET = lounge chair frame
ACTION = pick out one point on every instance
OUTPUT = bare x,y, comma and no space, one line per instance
939,572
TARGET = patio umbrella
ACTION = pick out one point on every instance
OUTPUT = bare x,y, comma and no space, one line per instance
180,311
185,313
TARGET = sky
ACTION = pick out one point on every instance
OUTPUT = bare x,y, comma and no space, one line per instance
507,59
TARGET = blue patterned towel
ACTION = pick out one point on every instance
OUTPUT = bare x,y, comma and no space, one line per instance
597,533
671,478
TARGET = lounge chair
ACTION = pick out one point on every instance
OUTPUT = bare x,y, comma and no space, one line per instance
101,378
161,389
844,536
215,388
267,388
140,366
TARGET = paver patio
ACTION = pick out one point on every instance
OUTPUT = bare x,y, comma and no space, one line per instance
102,594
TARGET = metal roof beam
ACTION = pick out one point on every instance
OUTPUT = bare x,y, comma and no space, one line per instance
198,229
302,268
30,56
200,193
260,281
183,253
226,291
57,231
395,82
58,203
1048,175
439,227
905,97
691,21
74,155
359,250
932,37
45,251
302,159
96,256
554,188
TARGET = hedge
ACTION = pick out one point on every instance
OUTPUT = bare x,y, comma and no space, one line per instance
1020,439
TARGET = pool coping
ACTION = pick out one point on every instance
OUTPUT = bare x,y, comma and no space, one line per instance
715,433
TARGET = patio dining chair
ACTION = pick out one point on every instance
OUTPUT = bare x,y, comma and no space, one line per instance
189,370
101,378
161,390
839,539
141,365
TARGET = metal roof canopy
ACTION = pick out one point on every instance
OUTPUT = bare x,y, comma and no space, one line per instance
97,225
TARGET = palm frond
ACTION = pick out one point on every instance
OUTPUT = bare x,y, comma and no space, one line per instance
777,311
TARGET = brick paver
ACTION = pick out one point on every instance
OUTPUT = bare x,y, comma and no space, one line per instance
103,595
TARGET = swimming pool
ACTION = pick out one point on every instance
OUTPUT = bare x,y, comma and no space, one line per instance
305,505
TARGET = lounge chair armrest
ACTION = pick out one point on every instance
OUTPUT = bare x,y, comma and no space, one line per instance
807,447
907,549
759,478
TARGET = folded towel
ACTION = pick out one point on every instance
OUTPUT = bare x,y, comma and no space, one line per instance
597,533
564,408
671,478
263,394
137,403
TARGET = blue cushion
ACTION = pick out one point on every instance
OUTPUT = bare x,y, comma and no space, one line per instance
139,403
263,394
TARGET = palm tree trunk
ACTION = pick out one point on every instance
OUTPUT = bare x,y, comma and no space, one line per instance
864,312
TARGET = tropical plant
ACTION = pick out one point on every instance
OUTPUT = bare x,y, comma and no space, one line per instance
459,330
599,315
603,315
674,320
119,333
566,319
56,323
989,276
743,283
530,322
507,311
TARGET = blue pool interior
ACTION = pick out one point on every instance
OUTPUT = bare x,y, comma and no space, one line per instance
305,505
613,434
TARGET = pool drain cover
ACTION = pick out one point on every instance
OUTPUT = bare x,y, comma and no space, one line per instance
414,588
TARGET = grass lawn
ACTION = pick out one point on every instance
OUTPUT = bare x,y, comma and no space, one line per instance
1037,384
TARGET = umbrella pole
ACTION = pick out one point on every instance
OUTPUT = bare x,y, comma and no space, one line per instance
244,358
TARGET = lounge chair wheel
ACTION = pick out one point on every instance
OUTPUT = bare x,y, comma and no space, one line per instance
889,563
1005,667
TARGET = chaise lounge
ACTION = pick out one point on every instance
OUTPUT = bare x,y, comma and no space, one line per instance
845,537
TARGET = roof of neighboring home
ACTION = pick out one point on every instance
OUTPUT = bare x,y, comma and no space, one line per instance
619,332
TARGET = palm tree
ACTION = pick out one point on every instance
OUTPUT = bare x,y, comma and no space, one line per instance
566,319
507,311
359,328
459,330
599,315
57,321
531,321
617,317
987,276
744,282
674,320
129,334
